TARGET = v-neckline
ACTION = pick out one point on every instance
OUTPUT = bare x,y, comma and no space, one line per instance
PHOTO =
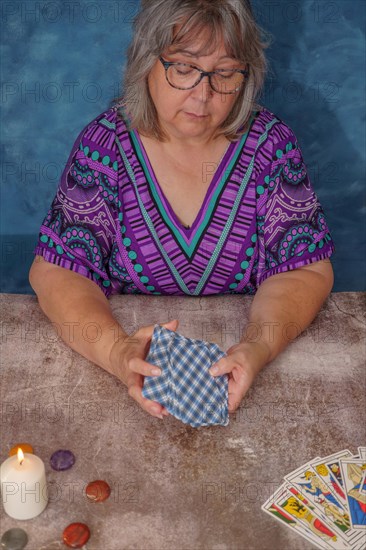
187,231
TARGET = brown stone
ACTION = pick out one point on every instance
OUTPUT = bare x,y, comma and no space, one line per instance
98,491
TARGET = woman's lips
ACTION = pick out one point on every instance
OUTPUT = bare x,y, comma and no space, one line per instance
193,115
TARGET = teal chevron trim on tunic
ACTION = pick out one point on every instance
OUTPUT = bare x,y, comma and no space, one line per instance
107,124
149,222
233,212
228,225
189,249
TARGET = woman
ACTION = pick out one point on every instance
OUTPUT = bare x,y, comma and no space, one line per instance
186,186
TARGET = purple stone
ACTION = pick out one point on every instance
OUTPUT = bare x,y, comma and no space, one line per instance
62,460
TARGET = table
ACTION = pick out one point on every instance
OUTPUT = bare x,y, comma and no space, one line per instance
173,486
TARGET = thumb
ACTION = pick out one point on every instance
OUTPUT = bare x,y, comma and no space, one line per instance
171,325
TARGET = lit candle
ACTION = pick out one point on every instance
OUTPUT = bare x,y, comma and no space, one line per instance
23,486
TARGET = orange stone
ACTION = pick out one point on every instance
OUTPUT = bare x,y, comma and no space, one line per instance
26,448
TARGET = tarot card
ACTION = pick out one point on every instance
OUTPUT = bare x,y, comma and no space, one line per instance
273,508
354,476
318,494
329,471
362,452
309,519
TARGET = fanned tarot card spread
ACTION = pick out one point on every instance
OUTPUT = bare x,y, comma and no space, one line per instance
324,501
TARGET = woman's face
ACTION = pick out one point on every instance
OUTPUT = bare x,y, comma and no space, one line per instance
196,113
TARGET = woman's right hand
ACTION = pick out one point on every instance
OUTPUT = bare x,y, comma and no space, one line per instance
127,362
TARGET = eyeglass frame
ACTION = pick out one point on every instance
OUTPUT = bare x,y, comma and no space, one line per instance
167,64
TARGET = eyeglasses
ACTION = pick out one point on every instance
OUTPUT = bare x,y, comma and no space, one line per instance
185,77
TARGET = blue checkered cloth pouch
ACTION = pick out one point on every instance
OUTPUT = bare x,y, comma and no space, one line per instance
185,387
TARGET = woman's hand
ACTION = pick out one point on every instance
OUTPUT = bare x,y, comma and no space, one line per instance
242,364
289,299
127,362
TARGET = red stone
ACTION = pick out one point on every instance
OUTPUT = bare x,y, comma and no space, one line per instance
76,535
98,490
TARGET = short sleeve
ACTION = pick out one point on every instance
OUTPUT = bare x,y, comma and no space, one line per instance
292,229
78,232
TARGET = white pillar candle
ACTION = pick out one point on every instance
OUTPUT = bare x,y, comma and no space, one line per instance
23,486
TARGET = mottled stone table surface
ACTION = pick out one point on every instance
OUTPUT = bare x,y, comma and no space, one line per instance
173,486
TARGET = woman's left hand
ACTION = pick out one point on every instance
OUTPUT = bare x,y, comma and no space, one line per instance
242,363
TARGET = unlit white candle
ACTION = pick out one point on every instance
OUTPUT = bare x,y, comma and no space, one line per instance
23,486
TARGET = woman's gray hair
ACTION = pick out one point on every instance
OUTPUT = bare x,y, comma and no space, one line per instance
155,29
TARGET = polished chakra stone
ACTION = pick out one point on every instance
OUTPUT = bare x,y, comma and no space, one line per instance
14,539
62,460
76,535
26,448
98,490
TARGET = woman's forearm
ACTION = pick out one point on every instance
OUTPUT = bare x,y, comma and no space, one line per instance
285,305
79,310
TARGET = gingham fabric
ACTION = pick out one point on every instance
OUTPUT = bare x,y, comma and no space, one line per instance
185,387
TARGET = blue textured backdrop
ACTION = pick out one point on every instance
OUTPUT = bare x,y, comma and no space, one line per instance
62,62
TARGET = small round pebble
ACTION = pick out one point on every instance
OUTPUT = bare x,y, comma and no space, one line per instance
62,460
14,539
98,491
76,535
26,448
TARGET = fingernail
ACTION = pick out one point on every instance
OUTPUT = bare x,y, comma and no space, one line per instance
160,416
155,371
155,410
214,370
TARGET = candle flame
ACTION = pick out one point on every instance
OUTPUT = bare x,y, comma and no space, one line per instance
20,455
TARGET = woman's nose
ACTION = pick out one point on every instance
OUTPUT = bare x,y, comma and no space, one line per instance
203,90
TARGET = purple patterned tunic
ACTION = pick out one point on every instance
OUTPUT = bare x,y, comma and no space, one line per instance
111,222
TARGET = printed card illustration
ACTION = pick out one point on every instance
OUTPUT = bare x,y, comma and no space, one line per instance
306,517
353,471
311,486
362,452
324,501
273,507
329,471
